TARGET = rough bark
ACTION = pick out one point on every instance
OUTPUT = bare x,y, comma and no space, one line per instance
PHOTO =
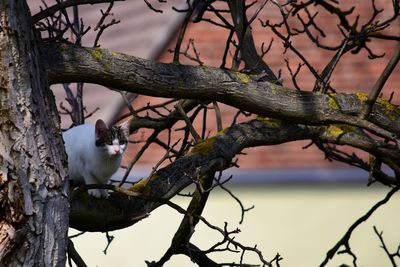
34,211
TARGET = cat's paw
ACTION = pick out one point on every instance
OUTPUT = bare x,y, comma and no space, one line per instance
98,193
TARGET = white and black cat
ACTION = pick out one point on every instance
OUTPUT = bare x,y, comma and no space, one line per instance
95,153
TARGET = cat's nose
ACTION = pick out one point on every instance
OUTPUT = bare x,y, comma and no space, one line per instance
117,150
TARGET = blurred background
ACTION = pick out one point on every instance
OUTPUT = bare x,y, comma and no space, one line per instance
303,203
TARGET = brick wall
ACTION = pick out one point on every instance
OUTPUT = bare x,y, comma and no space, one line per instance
355,72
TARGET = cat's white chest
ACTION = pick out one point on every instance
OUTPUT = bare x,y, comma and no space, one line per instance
103,167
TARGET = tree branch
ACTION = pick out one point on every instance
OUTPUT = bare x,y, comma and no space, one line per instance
62,5
75,255
213,154
181,239
69,63
254,63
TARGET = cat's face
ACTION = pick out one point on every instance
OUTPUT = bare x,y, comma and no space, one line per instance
113,140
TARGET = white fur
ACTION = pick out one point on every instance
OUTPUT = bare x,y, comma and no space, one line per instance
88,163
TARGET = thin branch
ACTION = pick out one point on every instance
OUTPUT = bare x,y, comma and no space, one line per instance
74,255
294,75
165,157
225,24
378,86
257,12
182,32
166,146
228,42
189,124
101,26
152,8
109,238
218,115
344,241
328,70
62,5
138,156
128,102
204,124
288,44
196,57
391,256
242,208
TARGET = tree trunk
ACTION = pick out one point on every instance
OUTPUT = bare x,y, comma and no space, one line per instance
33,207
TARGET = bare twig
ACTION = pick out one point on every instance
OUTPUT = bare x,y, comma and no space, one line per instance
109,238
255,15
101,26
218,116
189,124
76,102
74,255
344,241
165,157
186,53
138,156
391,256
242,208
64,4
182,32
328,70
152,7
294,74
378,86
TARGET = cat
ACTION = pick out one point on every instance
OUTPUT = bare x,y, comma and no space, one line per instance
95,153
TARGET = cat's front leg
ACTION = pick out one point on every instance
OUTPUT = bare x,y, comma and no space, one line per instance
97,193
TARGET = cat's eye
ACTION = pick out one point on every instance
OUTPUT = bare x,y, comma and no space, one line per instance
109,142
122,142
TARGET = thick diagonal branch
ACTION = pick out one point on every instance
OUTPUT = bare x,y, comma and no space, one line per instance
211,155
69,63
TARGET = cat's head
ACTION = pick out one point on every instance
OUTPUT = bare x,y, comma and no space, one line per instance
113,140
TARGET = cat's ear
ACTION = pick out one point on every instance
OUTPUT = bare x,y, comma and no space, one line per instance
100,127
125,128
